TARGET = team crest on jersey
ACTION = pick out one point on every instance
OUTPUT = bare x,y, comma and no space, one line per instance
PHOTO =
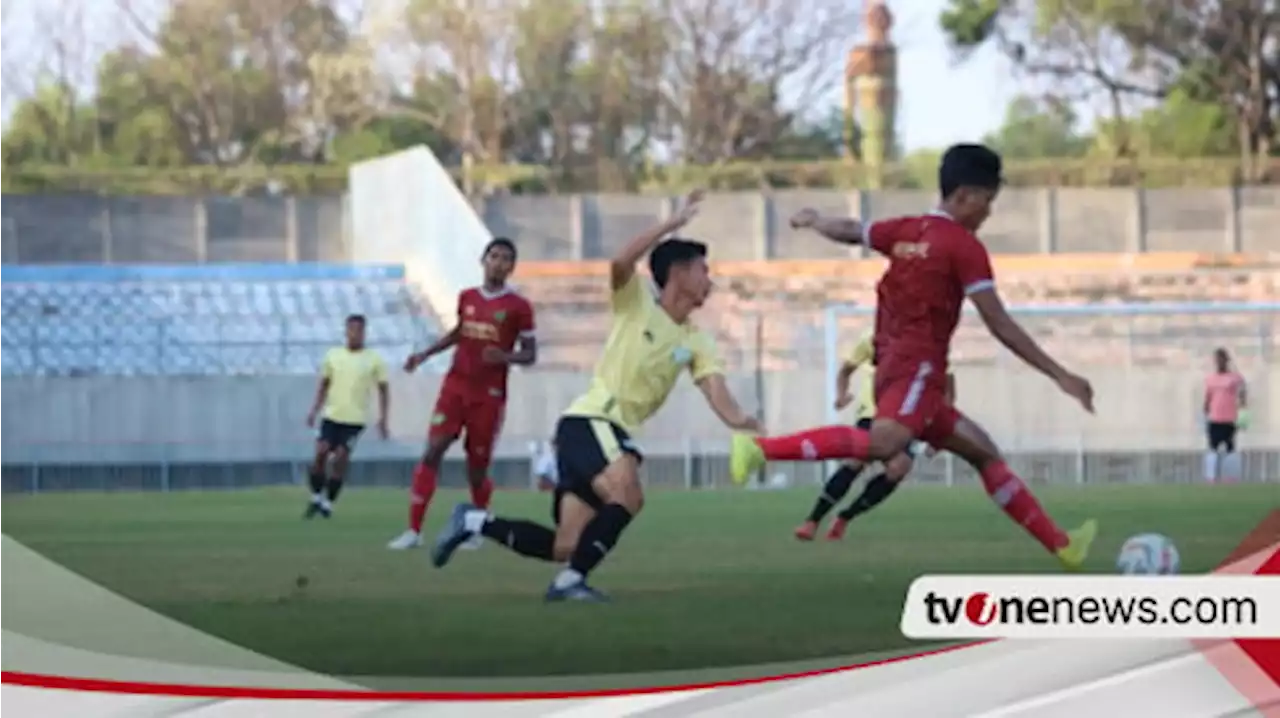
437,419
682,356
469,310
499,316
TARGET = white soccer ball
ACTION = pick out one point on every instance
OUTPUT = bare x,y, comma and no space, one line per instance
1148,555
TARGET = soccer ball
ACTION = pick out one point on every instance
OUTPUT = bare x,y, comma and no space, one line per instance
1148,555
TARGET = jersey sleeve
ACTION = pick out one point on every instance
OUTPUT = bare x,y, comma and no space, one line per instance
706,358
881,234
326,365
972,265
631,296
528,325
379,369
461,298
863,351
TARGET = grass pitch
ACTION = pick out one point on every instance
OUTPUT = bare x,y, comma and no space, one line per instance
700,580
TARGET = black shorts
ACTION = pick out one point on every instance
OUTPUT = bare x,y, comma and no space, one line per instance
584,448
339,436
913,450
1222,435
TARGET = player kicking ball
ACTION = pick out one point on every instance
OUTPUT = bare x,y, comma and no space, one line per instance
861,362
651,343
348,375
935,262
495,330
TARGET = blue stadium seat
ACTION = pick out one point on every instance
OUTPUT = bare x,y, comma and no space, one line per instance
185,321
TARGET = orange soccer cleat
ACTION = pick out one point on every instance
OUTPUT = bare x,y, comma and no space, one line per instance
806,530
837,530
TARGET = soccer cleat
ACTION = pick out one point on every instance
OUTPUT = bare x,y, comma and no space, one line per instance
405,541
313,509
806,530
453,535
474,543
579,592
745,458
1079,540
836,532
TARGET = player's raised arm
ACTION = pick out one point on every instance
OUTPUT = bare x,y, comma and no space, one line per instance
623,265
844,230
973,267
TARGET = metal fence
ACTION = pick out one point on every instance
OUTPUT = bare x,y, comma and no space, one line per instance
90,228
1147,366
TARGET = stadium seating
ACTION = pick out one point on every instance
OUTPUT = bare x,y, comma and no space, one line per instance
198,321
771,314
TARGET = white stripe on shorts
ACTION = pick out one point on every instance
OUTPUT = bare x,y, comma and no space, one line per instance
917,388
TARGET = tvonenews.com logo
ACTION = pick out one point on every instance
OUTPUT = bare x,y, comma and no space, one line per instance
1092,606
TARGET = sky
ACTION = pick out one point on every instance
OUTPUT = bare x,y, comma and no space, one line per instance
942,101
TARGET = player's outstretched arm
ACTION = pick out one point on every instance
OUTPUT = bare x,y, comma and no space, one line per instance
1011,334
446,340
623,265
724,404
844,230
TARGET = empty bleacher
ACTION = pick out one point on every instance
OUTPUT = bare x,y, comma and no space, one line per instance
772,314
191,321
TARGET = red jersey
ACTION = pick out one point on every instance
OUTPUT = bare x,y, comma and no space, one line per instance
487,319
934,263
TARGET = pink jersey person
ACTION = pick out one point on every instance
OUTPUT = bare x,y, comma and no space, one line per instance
1225,413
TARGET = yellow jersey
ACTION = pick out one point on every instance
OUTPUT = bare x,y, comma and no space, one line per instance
352,377
643,358
863,357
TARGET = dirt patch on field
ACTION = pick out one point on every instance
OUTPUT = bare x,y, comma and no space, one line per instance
1266,533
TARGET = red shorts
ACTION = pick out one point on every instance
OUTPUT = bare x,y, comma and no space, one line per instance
477,415
915,395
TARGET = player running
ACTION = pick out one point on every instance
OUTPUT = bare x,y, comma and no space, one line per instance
347,376
935,261
495,330
861,361
651,343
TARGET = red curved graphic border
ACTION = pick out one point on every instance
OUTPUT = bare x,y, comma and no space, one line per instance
98,685
1263,653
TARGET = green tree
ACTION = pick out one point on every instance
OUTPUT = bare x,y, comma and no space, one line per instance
1035,130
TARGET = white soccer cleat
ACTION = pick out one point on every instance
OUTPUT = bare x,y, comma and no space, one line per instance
473,543
408,540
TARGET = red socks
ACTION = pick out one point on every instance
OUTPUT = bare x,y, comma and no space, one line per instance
481,493
827,442
424,487
1012,495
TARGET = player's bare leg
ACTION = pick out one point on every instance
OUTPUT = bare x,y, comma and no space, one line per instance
317,479
834,490
618,487
422,490
876,490
970,442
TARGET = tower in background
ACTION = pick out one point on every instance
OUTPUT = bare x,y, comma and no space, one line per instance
871,94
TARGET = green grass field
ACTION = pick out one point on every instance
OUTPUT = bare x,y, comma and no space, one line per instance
701,580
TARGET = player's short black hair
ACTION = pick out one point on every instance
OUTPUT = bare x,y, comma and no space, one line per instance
969,165
672,252
358,318
504,243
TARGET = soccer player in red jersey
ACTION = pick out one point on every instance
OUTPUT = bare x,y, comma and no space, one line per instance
935,263
495,330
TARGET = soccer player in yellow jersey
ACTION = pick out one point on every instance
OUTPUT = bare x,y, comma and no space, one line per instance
651,343
348,376
860,361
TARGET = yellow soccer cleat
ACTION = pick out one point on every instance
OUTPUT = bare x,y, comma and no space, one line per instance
1076,551
745,458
